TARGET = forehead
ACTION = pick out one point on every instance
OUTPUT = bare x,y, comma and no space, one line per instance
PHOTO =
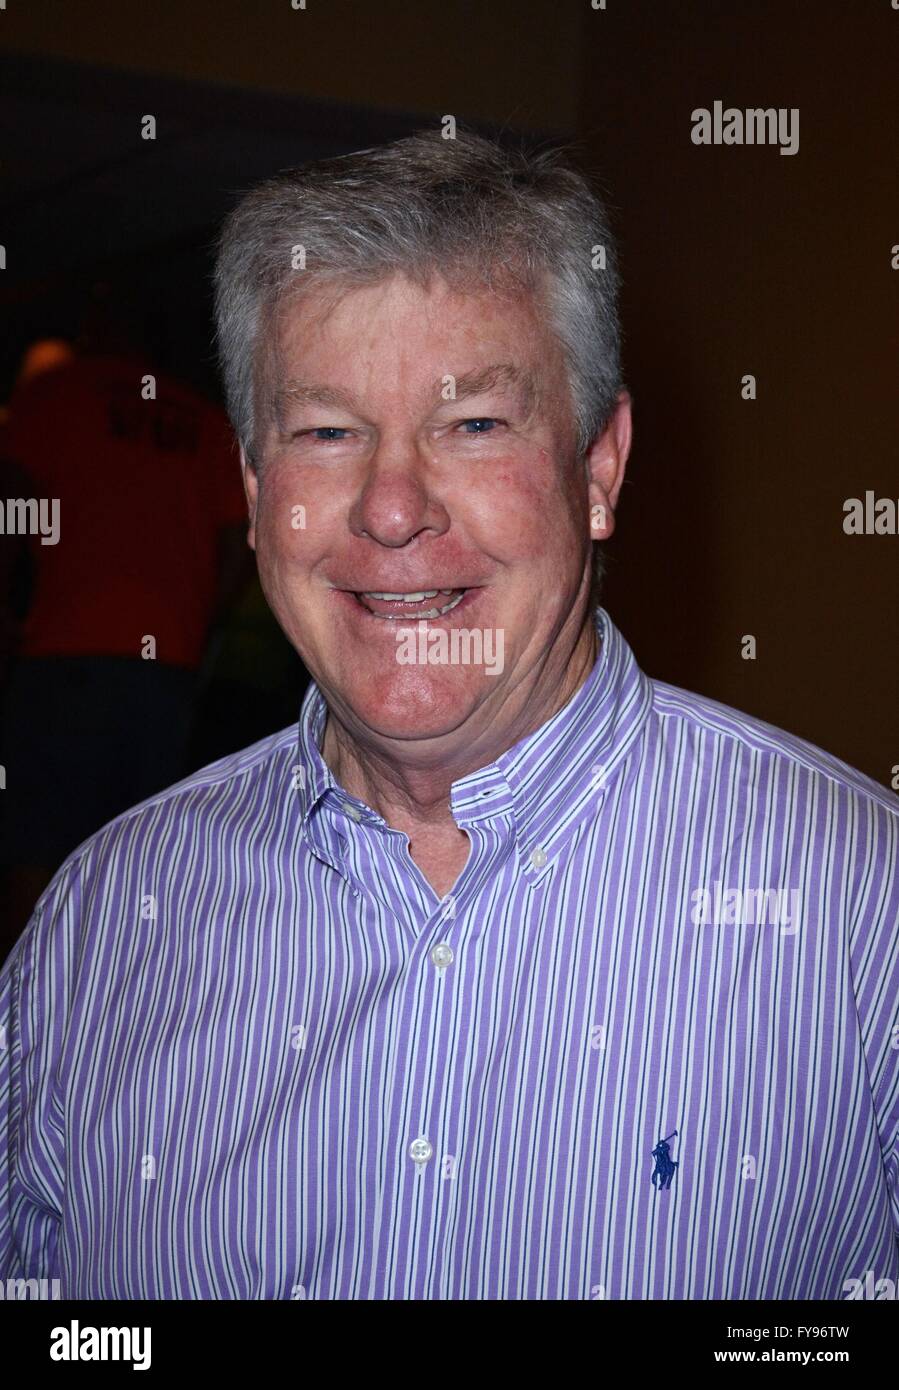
397,331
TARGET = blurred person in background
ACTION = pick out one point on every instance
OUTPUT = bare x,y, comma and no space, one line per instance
151,551
15,552
251,683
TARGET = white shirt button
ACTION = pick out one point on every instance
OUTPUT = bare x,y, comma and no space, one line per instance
442,955
538,858
420,1150
352,811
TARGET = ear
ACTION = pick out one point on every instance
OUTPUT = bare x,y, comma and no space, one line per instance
251,488
606,461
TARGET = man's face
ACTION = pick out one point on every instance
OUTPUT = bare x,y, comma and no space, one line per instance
423,441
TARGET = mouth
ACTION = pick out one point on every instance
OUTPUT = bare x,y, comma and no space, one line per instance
420,603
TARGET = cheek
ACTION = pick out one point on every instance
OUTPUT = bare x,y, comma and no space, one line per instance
289,518
278,545
523,510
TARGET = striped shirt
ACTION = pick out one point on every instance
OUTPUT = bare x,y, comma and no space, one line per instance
648,1047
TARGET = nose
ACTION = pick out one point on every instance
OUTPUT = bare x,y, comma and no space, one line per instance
396,502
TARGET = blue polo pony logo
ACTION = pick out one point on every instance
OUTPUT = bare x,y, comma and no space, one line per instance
665,1165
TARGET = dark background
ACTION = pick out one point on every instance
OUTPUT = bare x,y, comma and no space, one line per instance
735,260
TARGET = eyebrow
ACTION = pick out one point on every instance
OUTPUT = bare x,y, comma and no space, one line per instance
473,383
500,374
306,393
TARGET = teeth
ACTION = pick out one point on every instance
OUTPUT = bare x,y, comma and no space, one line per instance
409,598
439,612
424,613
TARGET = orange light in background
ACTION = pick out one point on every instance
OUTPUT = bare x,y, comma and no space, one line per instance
42,356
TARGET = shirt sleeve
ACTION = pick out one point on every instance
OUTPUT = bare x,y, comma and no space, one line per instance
874,955
33,1012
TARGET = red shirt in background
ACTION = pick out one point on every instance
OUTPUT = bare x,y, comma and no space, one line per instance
144,486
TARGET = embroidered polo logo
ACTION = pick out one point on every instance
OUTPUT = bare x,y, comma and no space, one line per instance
665,1165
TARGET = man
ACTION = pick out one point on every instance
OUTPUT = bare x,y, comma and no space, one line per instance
510,973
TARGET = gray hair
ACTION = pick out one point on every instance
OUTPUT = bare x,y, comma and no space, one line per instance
464,209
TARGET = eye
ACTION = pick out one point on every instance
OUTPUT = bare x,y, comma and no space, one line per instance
329,433
482,424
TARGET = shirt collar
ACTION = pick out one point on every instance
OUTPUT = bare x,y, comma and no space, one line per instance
548,780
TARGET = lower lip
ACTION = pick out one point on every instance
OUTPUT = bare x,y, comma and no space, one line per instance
354,605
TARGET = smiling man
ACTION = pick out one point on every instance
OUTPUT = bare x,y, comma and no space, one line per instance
528,978
427,432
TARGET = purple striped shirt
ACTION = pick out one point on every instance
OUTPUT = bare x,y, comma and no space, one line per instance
648,1047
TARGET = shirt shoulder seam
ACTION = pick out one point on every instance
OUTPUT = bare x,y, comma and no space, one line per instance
702,710
203,777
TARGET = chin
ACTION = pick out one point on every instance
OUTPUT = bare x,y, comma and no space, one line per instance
408,703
